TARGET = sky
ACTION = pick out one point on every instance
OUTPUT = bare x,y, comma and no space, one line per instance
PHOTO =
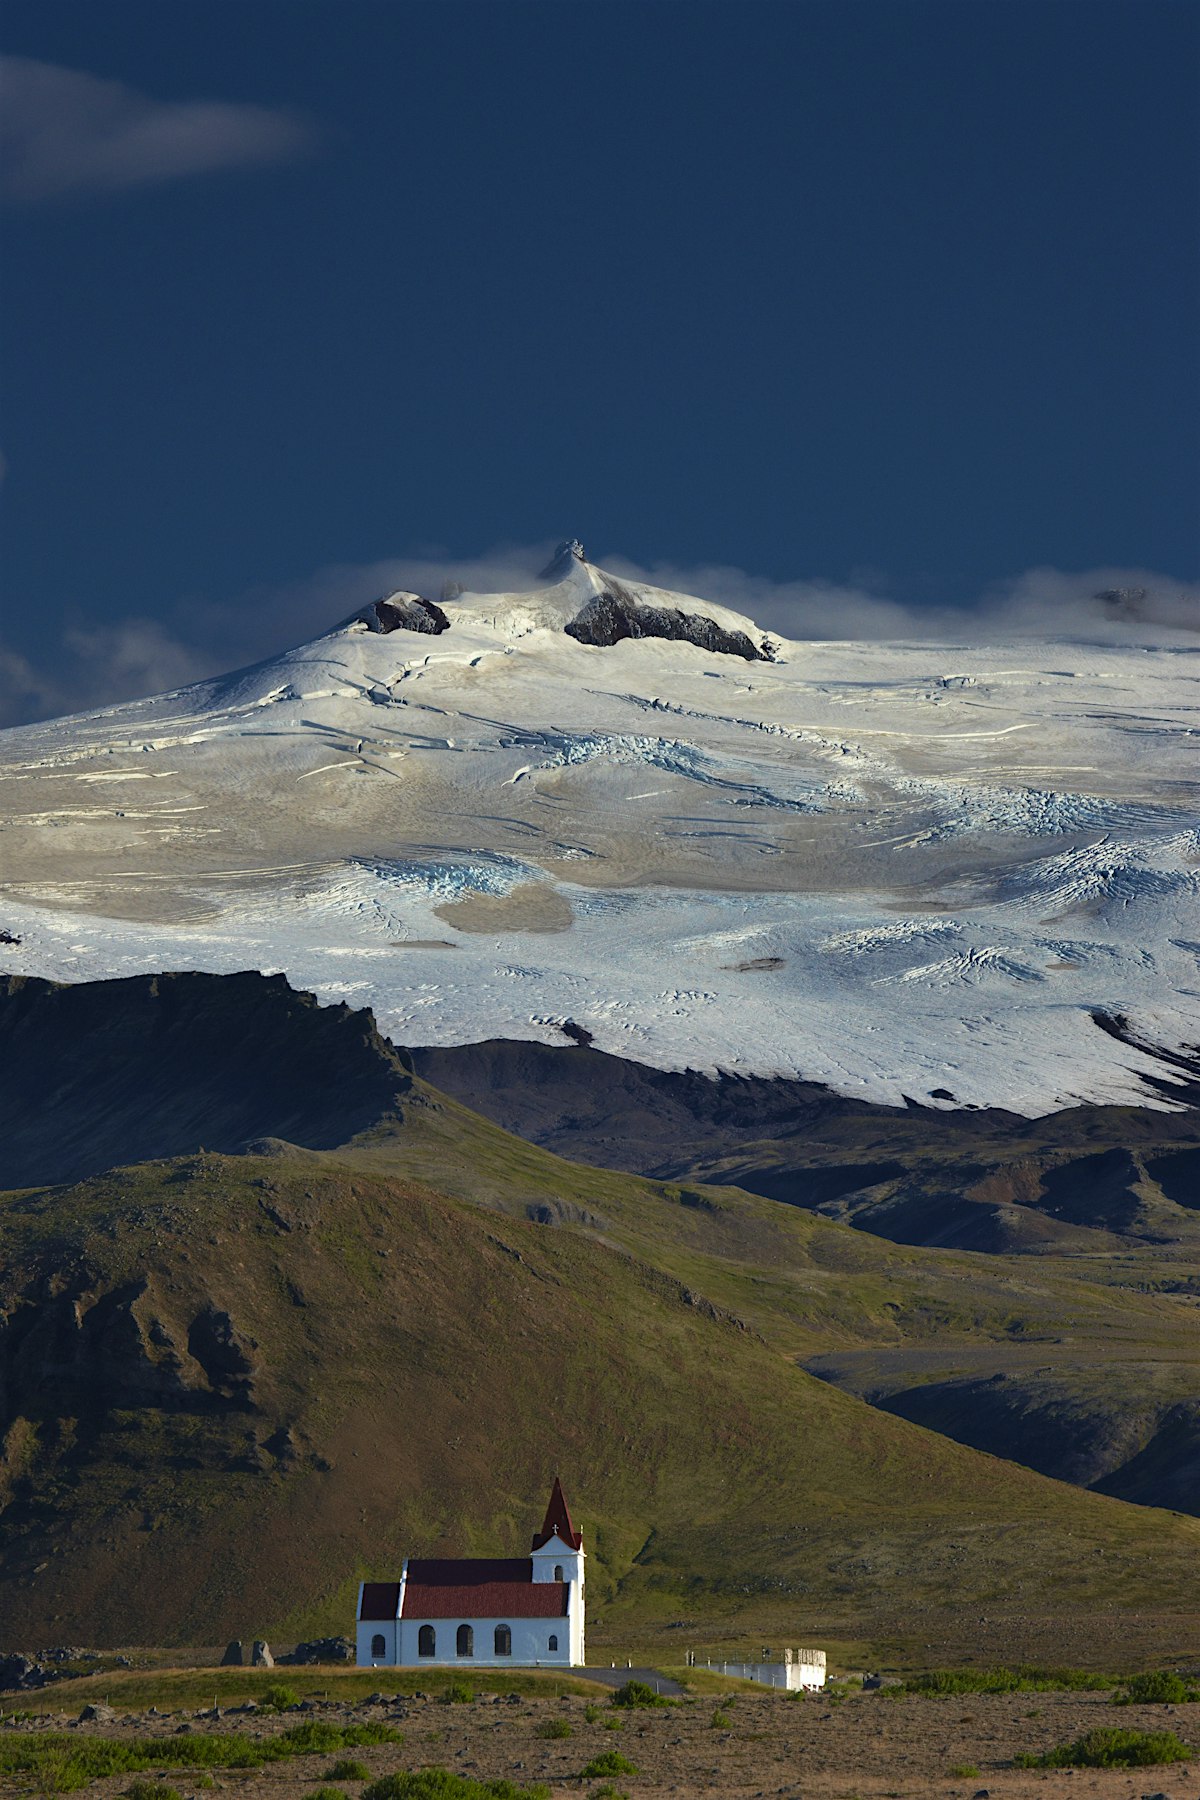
838,304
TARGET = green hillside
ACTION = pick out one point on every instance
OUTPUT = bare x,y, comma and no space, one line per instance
235,1384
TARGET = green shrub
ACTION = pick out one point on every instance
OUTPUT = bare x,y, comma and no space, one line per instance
609,1791
963,1771
591,1714
1025,1678
721,1721
348,1768
1160,1687
317,1737
325,1793
638,1693
611,1724
277,1697
554,1728
65,1761
457,1694
154,1790
609,1762
1110,1747
440,1784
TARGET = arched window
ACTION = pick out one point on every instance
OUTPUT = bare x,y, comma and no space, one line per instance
558,1574
553,1641
426,1641
466,1641
379,1644
503,1640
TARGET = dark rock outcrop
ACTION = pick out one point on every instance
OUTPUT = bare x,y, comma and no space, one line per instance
609,618
405,612
226,1357
82,1351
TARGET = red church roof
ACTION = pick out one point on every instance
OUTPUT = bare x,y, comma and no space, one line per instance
465,1571
557,1522
380,1600
485,1600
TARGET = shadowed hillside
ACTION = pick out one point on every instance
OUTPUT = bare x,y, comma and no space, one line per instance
112,1072
1084,1178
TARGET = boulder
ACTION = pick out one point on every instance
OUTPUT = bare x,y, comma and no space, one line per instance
98,1713
234,1656
261,1657
319,1650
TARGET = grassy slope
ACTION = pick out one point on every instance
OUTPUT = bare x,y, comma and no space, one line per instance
1093,1350
437,1362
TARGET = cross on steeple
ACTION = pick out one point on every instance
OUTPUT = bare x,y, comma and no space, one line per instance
557,1522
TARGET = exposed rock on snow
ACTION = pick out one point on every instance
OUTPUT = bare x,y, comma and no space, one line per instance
609,618
404,612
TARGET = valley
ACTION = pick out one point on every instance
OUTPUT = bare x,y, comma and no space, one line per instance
388,1340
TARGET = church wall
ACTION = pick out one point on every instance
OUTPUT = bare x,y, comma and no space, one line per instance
530,1644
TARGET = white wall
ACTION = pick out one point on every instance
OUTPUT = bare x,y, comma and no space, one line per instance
790,1675
368,1629
530,1644
555,1554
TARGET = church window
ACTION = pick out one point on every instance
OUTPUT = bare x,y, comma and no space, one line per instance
553,1641
426,1641
379,1644
503,1640
558,1574
466,1641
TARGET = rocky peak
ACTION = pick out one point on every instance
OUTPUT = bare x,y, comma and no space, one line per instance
566,555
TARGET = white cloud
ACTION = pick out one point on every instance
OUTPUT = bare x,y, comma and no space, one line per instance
97,664
64,132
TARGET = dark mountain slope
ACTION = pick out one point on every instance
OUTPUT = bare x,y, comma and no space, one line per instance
112,1072
1083,1178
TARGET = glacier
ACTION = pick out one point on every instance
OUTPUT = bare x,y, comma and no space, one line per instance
903,869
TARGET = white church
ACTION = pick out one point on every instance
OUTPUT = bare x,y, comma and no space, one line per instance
516,1611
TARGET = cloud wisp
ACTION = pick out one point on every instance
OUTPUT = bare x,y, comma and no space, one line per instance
65,132
98,663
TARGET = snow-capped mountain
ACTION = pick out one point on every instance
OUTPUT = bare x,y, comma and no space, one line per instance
901,869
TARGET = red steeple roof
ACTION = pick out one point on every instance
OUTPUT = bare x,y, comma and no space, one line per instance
557,1522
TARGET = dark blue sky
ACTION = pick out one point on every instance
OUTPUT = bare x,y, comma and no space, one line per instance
805,286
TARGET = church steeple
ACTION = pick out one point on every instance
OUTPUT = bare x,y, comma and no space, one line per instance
557,1522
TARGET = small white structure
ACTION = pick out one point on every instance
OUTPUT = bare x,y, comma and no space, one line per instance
517,1611
800,1671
